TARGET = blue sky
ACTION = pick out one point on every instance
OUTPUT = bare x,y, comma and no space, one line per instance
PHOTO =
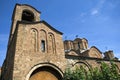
96,20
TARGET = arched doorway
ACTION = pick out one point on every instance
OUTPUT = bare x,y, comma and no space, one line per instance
45,72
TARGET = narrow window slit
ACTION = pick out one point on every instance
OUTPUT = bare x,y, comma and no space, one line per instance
42,45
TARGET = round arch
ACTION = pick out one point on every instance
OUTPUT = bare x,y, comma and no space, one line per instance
47,69
27,15
85,63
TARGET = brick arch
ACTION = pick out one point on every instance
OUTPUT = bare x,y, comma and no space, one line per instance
34,39
43,37
44,33
27,15
44,71
84,63
51,42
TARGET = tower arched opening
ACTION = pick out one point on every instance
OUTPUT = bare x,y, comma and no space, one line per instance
27,15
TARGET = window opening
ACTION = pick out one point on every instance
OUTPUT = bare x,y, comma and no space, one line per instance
27,16
43,45
78,45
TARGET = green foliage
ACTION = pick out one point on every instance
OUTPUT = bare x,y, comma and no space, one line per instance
105,72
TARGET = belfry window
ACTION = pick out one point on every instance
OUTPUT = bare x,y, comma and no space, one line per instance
78,45
27,16
42,45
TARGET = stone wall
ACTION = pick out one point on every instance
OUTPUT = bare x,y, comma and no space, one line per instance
89,62
26,56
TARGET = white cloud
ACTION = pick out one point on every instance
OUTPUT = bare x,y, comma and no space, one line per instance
94,12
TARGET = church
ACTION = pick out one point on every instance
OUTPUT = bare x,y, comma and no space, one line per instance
36,50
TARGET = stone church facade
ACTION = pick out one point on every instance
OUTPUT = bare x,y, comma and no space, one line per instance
36,50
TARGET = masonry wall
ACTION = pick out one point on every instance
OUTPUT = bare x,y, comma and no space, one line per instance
88,62
28,52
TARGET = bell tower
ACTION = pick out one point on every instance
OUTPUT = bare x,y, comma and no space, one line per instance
23,12
34,48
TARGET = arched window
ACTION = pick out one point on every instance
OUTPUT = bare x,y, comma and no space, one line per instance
42,45
27,16
43,41
51,41
33,38
78,45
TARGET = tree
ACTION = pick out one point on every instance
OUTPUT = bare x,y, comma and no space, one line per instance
106,72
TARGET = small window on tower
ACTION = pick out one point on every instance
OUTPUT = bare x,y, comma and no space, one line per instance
27,16
78,45
42,45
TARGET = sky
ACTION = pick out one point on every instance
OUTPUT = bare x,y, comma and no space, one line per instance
96,20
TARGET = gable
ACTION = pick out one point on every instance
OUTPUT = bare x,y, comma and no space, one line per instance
94,52
49,26
72,53
39,22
